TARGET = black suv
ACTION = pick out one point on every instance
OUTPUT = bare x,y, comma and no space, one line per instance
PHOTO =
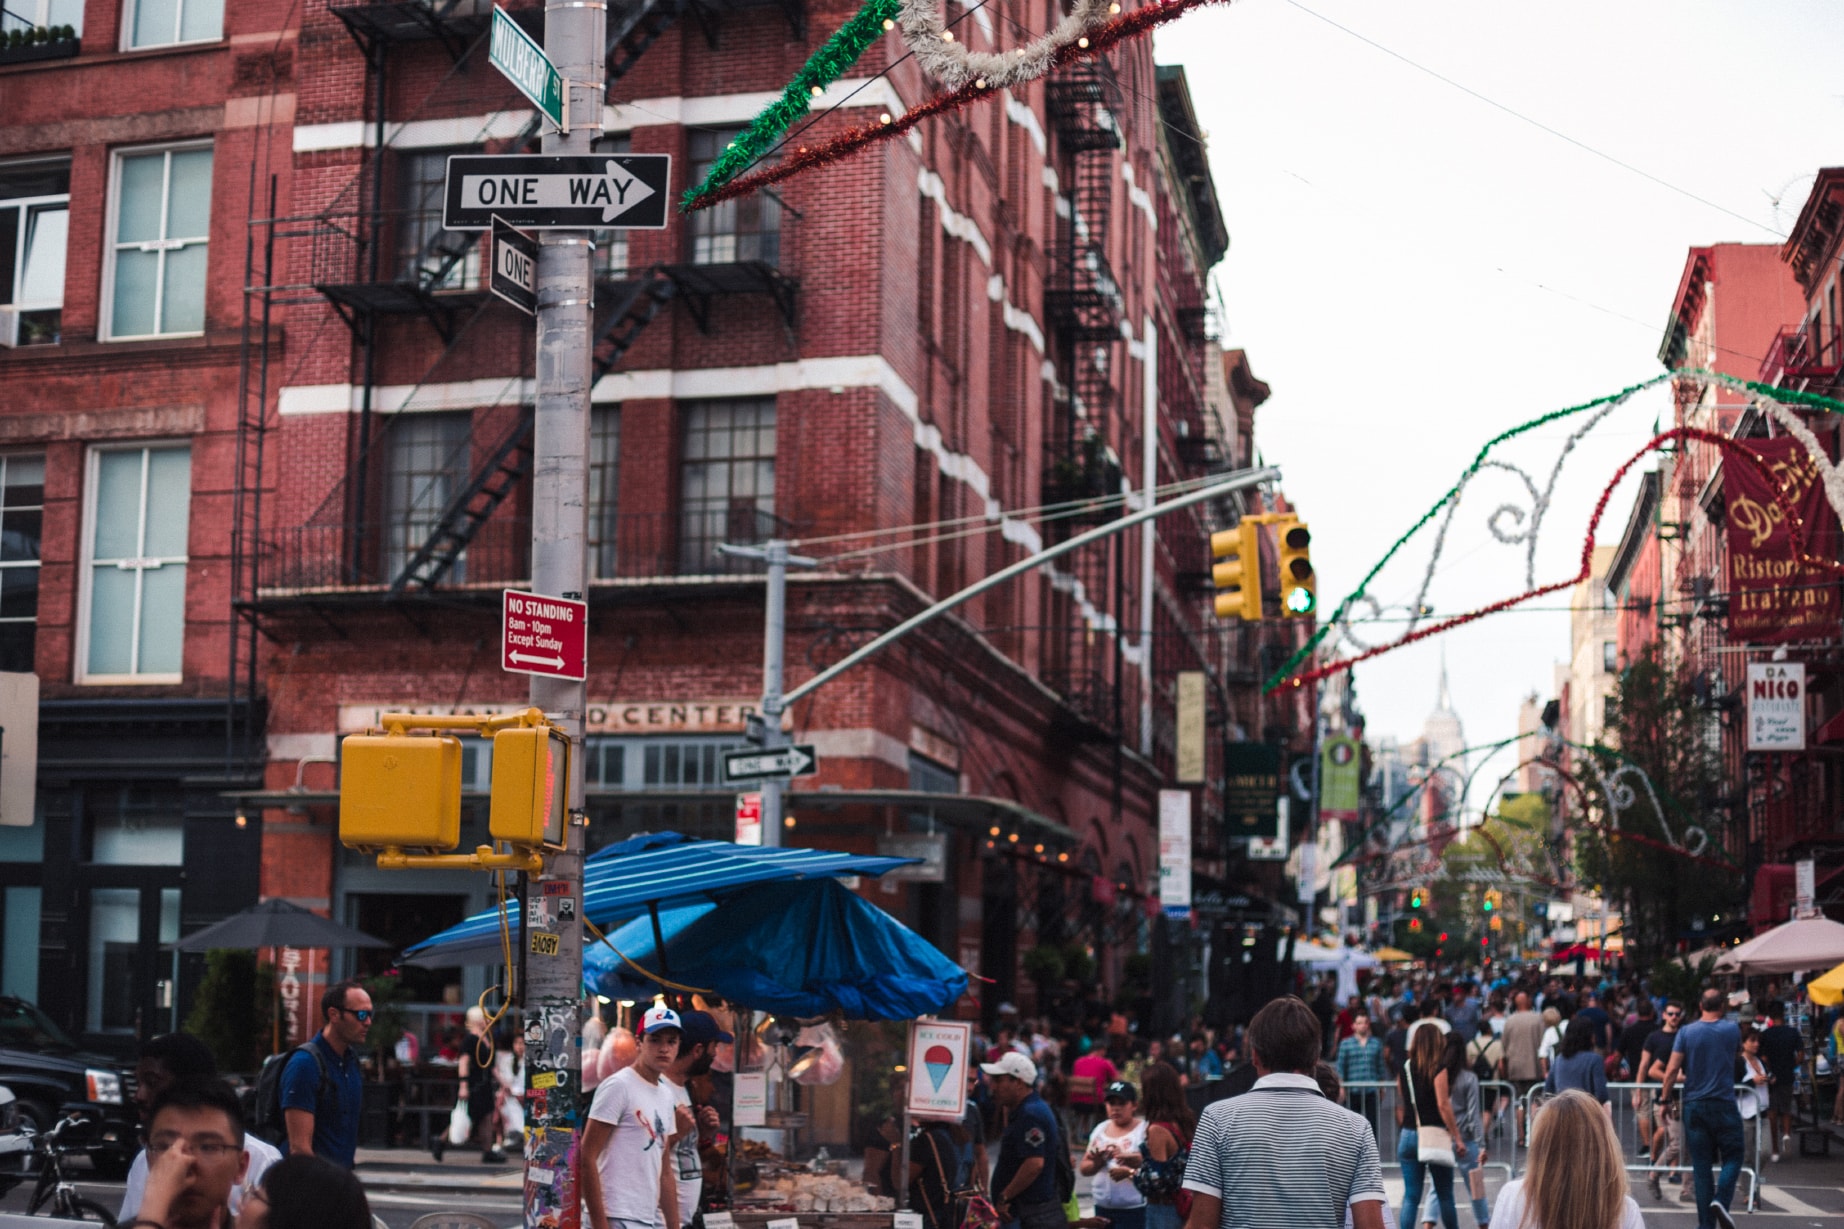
51,1078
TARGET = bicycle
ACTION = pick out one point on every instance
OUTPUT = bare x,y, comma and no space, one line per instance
54,1194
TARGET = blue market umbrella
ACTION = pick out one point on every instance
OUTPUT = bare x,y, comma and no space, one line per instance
796,949
658,870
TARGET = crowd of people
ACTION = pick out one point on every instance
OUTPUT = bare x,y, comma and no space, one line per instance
1438,1052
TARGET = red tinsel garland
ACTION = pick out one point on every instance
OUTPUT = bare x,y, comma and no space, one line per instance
862,136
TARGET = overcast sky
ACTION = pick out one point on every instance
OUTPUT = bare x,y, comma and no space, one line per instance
1413,269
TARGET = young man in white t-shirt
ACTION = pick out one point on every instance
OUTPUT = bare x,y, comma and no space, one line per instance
699,1037
626,1181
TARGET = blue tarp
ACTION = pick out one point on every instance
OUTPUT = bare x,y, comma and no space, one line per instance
795,949
665,869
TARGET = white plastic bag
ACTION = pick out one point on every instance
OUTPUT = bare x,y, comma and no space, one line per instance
460,1126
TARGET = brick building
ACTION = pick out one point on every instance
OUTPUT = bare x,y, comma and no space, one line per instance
995,330
1765,313
125,161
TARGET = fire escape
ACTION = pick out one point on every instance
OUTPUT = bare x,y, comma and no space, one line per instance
378,256
1085,308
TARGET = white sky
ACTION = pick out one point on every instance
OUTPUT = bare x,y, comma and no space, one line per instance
1414,270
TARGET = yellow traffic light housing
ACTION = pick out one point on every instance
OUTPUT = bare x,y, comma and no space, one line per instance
1237,573
531,783
400,791
1299,583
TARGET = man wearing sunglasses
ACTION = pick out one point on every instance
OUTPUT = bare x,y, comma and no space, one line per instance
322,1086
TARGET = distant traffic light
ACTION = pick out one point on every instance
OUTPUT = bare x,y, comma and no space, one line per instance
1299,583
1443,936
1415,901
1484,941
1237,573
1415,925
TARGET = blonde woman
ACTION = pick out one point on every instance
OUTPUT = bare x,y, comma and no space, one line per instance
1575,1177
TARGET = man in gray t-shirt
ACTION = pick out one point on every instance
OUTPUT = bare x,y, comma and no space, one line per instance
1280,1155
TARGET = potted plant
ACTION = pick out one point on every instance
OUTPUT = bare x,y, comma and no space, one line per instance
39,43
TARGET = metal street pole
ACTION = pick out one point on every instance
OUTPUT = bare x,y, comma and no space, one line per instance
553,990
775,554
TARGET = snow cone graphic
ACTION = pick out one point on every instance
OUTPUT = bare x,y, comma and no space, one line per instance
939,1060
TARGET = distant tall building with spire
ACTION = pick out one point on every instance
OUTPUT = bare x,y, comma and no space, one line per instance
1442,732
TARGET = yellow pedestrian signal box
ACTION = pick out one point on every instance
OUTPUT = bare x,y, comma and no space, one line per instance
530,787
1237,573
1299,583
400,791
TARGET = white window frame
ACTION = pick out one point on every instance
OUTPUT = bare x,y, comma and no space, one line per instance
130,8
25,204
111,246
92,465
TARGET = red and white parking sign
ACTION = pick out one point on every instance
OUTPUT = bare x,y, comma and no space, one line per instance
544,635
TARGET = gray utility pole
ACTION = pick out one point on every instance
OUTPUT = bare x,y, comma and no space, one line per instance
775,702
553,989
774,644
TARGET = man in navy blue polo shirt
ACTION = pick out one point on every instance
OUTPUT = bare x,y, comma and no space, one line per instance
322,1091
1024,1183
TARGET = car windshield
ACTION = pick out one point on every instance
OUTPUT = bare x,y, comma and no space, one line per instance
23,1025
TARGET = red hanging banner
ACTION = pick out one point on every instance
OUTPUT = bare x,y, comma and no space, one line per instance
1773,597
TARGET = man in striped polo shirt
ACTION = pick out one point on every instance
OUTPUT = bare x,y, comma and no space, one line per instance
1281,1156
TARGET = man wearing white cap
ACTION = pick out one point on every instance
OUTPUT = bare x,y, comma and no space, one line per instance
626,1181
1024,1183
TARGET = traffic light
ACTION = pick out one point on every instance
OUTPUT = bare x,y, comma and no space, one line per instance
1237,573
1299,583
1415,925
1443,936
400,791
1415,900
1485,941
1492,899
530,800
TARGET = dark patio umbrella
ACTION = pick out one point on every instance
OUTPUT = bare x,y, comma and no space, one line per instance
276,923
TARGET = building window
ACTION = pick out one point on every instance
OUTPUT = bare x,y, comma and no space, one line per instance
34,224
22,498
726,478
609,261
1610,656
604,488
33,14
691,762
160,234
427,255
426,467
747,228
161,23
135,565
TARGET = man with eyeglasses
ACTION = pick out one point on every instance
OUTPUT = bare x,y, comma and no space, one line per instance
1668,1138
195,1143
170,1059
323,1086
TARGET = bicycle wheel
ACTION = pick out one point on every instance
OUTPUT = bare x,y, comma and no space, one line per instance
88,1210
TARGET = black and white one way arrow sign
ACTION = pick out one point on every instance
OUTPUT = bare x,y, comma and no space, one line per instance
555,192
750,764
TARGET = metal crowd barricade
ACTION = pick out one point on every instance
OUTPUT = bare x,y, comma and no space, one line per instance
1376,1101
1626,1115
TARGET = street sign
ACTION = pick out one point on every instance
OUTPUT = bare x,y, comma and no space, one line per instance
515,267
748,821
543,635
524,63
557,191
751,765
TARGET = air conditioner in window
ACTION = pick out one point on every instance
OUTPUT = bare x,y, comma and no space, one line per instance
9,326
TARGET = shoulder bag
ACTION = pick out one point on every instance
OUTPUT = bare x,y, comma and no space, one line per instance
1433,1145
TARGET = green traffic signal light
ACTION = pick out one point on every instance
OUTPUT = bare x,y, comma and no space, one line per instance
1300,600
1415,901
1488,905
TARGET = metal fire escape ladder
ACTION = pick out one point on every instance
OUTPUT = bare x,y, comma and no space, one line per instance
470,509
639,303
639,29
